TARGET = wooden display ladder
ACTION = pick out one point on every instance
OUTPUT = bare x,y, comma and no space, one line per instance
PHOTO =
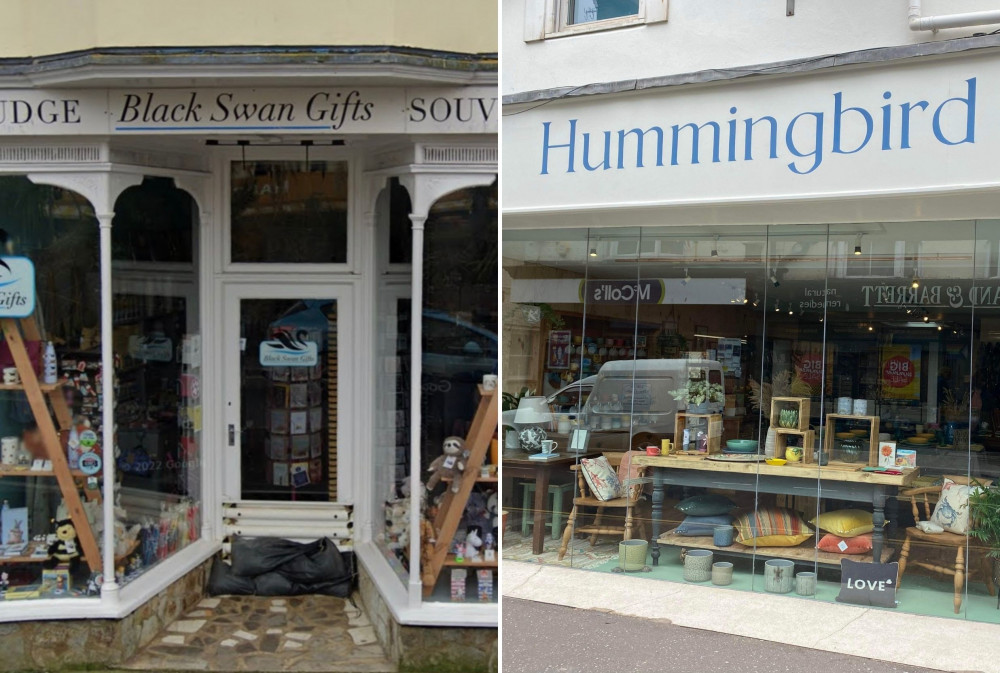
438,555
17,331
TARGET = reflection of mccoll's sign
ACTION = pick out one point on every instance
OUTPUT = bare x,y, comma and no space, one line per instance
621,291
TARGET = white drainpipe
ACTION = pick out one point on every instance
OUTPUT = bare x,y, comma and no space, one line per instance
936,23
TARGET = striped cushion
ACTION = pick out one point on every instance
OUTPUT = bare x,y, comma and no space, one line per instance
770,526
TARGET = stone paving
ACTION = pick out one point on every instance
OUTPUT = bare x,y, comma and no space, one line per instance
256,633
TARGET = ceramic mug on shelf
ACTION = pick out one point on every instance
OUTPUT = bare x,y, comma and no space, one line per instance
489,381
652,450
10,450
549,446
10,375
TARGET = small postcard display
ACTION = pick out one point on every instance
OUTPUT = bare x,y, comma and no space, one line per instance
296,416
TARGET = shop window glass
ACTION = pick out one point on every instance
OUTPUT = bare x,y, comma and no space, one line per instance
56,230
158,402
586,11
460,346
829,360
289,212
400,226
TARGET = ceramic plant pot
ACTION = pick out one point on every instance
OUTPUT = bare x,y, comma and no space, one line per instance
805,584
722,573
632,555
722,536
779,576
697,565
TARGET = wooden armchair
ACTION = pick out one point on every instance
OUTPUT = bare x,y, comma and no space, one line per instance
586,498
945,539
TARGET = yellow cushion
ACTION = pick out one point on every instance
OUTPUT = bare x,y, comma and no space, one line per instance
845,522
777,540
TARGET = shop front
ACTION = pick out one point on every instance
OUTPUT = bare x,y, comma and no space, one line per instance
274,303
757,320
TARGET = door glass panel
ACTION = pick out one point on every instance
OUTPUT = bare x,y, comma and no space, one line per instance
288,399
277,206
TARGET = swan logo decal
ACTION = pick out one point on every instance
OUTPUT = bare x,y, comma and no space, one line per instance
152,347
289,349
17,287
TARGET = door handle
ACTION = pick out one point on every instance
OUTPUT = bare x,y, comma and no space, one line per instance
232,434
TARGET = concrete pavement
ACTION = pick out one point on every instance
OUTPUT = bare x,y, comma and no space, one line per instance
915,641
543,638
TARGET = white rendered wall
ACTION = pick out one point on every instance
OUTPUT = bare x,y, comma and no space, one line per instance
703,34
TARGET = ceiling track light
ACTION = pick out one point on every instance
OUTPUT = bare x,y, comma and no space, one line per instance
774,278
916,279
687,278
715,247
857,245
777,307
790,311
593,252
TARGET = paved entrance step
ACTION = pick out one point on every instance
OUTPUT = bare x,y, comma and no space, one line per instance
255,633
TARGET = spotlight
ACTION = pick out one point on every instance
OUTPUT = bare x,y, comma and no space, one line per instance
790,312
940,328
871,329
715,247
776,306
593,252
927,318
916,283
774,280
687,278
745,300
857,245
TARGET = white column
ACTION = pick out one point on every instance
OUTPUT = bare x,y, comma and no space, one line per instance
109,590
416,355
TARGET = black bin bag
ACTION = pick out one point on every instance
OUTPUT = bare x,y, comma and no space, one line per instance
268,566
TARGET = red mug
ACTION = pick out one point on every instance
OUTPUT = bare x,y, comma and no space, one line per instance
652,450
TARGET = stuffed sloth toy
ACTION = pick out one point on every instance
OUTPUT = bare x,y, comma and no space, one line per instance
451,464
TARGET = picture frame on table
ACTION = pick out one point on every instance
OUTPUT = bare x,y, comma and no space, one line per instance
578,440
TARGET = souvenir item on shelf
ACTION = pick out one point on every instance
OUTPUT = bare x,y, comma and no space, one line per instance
10,450
65,549
449,464
473,543
484,582
50,366
906,458
458,577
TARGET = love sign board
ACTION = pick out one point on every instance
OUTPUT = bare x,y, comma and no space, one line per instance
868,583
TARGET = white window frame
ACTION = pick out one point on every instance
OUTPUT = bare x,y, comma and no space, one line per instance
545,19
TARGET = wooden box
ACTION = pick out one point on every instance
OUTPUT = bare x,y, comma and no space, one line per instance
808,443
802,404
830,433
714,428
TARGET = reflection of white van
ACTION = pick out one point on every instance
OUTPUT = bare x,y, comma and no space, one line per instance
643,389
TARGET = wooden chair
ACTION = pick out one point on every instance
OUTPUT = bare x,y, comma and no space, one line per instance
586,498
948,540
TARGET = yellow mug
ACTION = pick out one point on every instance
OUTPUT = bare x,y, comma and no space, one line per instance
665,447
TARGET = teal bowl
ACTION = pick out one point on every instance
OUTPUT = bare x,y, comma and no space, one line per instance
741,445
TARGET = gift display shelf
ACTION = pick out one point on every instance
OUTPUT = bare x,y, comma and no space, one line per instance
479,480
28,472
44,387
452,563
48,406
806,552
437,554
32,546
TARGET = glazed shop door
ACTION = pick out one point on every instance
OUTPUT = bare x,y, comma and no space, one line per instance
284,376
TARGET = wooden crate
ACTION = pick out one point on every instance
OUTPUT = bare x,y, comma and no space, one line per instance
803,404
714,427
808,443
829,433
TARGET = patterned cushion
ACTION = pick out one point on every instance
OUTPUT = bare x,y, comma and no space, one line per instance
628,471
952,509
859,544
602,478
771,527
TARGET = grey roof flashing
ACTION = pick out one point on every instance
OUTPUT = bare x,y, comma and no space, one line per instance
794,66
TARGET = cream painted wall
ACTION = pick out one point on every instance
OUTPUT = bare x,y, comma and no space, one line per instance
703,34
38,27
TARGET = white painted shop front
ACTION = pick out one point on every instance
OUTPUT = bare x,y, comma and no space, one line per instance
289,193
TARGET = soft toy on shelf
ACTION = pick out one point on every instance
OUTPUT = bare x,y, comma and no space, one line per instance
64,549
473,543
449,464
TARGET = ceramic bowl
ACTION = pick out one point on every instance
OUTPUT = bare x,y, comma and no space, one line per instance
775,461
741,445
917,440
859,432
